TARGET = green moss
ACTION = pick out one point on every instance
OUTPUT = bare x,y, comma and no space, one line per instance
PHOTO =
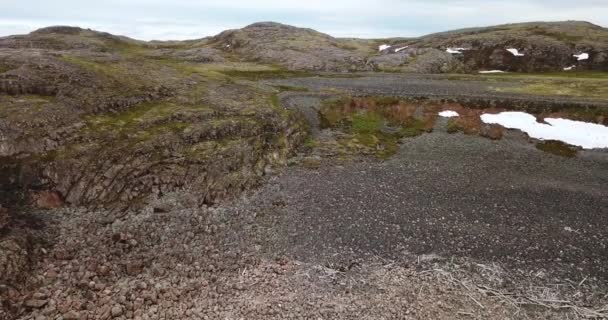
122,76
347,46
587,89
4,68
274,101
366,122
371,129
413,128
453,126
557,148
311,142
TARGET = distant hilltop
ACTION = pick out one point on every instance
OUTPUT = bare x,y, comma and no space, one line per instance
521,47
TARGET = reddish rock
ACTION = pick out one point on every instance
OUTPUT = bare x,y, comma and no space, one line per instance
134,267
47,199
493,132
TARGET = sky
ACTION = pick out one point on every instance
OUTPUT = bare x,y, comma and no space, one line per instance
191,19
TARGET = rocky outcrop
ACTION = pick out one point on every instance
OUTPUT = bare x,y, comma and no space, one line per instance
543,46
215,161
417,60
202,55
66,38
294,48
103,129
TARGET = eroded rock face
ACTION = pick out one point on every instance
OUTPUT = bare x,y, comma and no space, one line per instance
107,128
20,237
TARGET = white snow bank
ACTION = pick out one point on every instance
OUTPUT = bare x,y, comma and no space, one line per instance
492,71
383,47
582,56
448,114
402,48
570,68
577,133
515,52
455,50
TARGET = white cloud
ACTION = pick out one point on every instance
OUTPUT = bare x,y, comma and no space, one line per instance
182,19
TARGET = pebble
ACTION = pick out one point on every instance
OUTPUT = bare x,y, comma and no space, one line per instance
72,315
116,311
35,303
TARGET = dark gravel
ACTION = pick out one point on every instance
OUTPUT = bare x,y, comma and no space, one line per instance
436,86
450,195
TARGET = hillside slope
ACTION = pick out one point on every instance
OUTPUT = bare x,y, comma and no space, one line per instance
544,46
292,47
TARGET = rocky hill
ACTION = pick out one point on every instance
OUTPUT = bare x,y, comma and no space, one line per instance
541,46
80,109
292,47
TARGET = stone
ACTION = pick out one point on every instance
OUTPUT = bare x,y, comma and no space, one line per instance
47,199
116,311
134,268
35,303
72,315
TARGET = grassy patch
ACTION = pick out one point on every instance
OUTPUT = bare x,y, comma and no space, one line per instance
533,76
255,75
372,125
141,122
311,142
453,126
561,36
366,122
587,89
274,101
413,128
4,68
557,148
123,76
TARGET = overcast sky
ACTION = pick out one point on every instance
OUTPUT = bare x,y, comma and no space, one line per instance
188,19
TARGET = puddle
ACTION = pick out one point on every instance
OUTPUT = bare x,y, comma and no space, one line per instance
377,124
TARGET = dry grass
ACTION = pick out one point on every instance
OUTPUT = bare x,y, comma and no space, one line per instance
564,296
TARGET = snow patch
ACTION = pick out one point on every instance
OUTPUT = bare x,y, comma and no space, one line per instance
583,134
455,50
570,68
383,47
448,114
515,52
582,56
402,48
492,71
